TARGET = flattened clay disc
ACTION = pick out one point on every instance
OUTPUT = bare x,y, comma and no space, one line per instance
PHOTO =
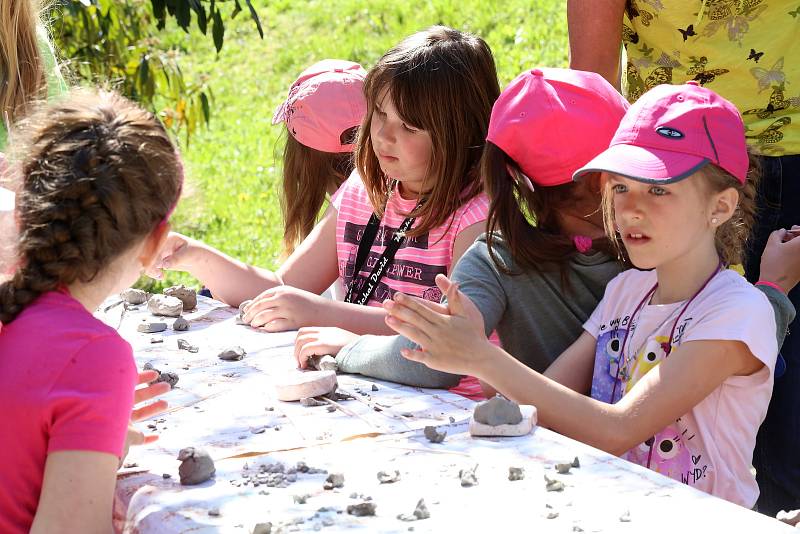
529,418
300,384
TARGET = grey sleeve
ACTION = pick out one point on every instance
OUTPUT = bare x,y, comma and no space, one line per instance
783,308
479,279
379,357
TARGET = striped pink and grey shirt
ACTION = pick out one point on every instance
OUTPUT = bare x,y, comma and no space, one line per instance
419,258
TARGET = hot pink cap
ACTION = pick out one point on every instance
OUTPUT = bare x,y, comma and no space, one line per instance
324,102
552,121
671,132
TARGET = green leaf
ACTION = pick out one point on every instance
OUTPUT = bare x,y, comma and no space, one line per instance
160,12
202,18
218,31
237,8
183,15
206,107
254,14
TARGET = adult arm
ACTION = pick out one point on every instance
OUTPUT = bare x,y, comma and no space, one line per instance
595,36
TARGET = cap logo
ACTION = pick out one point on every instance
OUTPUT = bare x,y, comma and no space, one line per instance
671,133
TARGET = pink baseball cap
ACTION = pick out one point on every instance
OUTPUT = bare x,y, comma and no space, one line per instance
671,132
326,100
552,121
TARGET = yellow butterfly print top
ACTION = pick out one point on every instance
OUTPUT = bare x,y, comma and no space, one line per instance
745,50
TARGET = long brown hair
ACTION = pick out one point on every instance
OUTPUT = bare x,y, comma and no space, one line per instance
442,81
308,175
732,237
22,77
529,221
98,173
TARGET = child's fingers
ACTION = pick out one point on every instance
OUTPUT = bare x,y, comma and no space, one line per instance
150,438
145,377
135,436
443,283
407,330
415,355
416,304
301,341
278,325
149,392
150,410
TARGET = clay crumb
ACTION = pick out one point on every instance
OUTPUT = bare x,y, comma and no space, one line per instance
186,295
149,327
154,340
626,517
468,477
552,484
180,324
165,306
388,477
301,499
433,435
232,354
214,512
196,466
516,473
374,387
310,402
334,480
498,411
185,345
551,514
166,476
576,464
262,528
362,509
563,469
134,296
420,512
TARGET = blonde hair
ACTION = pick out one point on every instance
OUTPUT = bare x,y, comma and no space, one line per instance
443,81
308,175
731,238
22,76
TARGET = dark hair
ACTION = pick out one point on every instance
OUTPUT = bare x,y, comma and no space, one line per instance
732,236
442,81
98,173
308,174
530,221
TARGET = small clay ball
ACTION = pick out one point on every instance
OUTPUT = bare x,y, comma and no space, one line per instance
196,466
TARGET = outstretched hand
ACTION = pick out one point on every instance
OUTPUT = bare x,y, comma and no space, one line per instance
450,336
175,255
284,308
780,261
150,391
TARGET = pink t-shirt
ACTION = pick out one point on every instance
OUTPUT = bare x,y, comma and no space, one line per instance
66,383
711,447
418,260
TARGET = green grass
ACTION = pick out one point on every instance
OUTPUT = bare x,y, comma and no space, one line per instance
233,167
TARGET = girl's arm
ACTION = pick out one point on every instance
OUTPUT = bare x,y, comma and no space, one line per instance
465,238
312,267
667,392
77,493
595,36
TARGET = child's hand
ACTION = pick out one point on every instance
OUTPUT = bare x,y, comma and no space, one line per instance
449,342
177,254
780,261
283,308
319,341
135,436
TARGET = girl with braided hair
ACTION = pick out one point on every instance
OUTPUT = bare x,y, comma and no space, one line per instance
99,180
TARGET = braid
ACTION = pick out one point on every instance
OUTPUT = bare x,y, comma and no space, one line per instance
99,174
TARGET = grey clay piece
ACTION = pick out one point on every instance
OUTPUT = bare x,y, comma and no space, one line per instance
180,324
232,354
196,466
151,327
498,411
433,435
186,295
362,509
165,306
134,296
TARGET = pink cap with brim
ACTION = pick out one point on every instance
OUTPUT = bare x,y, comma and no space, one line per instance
552,121
671,132
325,101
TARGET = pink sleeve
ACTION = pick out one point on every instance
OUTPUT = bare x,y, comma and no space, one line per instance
474,211
336,199
90,404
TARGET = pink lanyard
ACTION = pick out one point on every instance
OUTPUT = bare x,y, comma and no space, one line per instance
668,345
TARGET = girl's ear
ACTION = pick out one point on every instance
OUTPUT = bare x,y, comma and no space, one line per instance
724,205
152,245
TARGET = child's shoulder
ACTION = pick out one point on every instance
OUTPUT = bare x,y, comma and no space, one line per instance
352,190
473,211
730,288
632,279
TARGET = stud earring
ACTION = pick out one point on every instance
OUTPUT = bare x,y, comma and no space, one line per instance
714,220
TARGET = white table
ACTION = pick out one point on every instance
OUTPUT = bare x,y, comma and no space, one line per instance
229,408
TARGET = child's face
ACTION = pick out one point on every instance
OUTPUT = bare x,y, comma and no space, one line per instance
403,151
661,223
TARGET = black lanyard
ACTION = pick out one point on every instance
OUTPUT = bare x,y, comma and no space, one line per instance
383,262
